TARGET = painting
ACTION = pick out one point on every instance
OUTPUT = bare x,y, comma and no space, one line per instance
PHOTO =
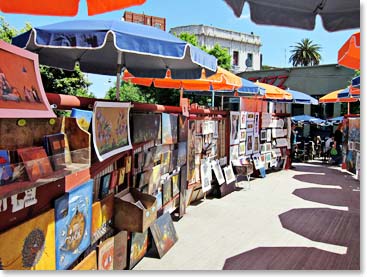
250,116
175,185
206,175
120,250
164,234
249,143
216,129
243,120
6,172
354,129
73,214
145,127
218,172
263,148
21,90
121,178
256,123
268,157
104,185
148,159
30,245
233,153
114,179
235,127
267,147
111,132
83,117
169,128
165,162
55,147
198,144
167,191
242,148
106,254
155,177
257,161
268,135
242,135
138,247
263,135
250,126
191,152
182,154
183,186
256,146
88,263
173,161
127,164
229,174
182,128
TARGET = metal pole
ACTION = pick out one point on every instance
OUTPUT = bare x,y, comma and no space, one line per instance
213,95
118,75
222,103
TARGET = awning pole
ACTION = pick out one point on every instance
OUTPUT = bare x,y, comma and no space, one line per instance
213,95
222,103
118,75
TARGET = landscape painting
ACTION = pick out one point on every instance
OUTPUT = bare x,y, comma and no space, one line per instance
145,127
138,247
169,128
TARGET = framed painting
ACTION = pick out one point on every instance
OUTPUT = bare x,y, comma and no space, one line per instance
21,90
30,245
256,146
182,153
106,254
218,172
242,148
73,216
229,174
138,247
164,234
120,250
111,132
191,152
235,127
249,143
250,116
233,155
88,263
242,135
243,120
182,128
145,127
169,128
206,175
263,135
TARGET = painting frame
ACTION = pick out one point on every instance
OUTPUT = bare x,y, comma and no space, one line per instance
235,127
249,143
218,172
229,174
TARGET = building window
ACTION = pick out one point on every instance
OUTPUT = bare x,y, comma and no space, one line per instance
158,25
249,60
235,57
148,21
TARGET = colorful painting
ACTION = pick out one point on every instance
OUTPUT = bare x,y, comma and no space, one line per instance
120,251
121,179
229,174
164,234
111,132
218,172
191,152
73,214
6,172
88,263
106,254
235,128
169,128
155,177
182,128
182,154
138,247
83,117
30,246
21,91
145,127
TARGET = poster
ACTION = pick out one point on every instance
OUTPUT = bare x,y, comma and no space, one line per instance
229,174
73,213
235,127
218,172
111,132
21,90
145,127
31,245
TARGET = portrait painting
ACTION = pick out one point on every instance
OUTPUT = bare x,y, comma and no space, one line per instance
235,127
243,120
22,93
111,132
249,143
73,215
243,135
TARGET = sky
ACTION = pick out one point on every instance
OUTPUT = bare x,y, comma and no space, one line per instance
276,41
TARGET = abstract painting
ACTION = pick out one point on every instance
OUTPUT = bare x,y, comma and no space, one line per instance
111,132
106,254
73,213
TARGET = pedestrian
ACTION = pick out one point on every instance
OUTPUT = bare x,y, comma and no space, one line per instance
293,144
338,138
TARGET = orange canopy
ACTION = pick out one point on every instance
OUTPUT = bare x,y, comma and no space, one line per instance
275,93
222,80
64,7
349,53
332,97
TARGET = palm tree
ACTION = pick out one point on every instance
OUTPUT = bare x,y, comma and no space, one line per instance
305,53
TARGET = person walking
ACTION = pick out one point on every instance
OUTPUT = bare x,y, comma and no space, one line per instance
338,139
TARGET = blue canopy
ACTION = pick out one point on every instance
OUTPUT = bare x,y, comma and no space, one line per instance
356,82
344,93
249,87
100,45
337,119
302,98
307,119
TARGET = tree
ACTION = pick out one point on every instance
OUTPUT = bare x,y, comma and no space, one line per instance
190,38
305,53
128,92
222,55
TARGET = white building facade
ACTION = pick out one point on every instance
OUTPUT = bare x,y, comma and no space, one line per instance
243,48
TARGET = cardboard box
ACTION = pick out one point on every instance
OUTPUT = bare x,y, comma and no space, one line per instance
134,211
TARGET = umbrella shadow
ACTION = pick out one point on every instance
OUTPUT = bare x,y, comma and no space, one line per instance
344,181
289,258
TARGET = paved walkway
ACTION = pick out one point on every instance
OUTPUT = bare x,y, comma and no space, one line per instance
306,218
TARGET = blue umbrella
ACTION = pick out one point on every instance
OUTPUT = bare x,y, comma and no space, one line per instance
307,119
337,119
302,98
356,82
249,87
107,46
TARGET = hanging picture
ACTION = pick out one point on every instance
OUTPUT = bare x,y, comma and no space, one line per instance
111,133
164,234
268,157
243,135
233,152
263,135
235,127
250,126
21,90
250,116
138,247
242,148
88,263
30,246
206,175
182,128
249,143
169,128
256,146
145,127
191,152
257,123
268,135
216,129
218,172
73,213
106,254
182,154
243,120
229,174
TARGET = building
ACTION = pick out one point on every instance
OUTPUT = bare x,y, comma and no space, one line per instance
244,48
154,21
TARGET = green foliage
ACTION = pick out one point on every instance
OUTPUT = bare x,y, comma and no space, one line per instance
128,92
190,38
222,55
305,53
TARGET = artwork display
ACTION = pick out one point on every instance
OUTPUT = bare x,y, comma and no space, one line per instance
249,143
164,234
83,117
183,126
145,127
169,128
256,147
31,245
138,247
21,90
229,174
88,263
235,128
234,152
191,152
218,172
206,175
242,148
106,254
243,119
73,213
111,132
243,135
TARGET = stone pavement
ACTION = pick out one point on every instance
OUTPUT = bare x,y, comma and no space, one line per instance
305,218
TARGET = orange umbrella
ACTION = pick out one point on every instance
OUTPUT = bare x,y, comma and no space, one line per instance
222,80
64,7
275,93
349,53
333,97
